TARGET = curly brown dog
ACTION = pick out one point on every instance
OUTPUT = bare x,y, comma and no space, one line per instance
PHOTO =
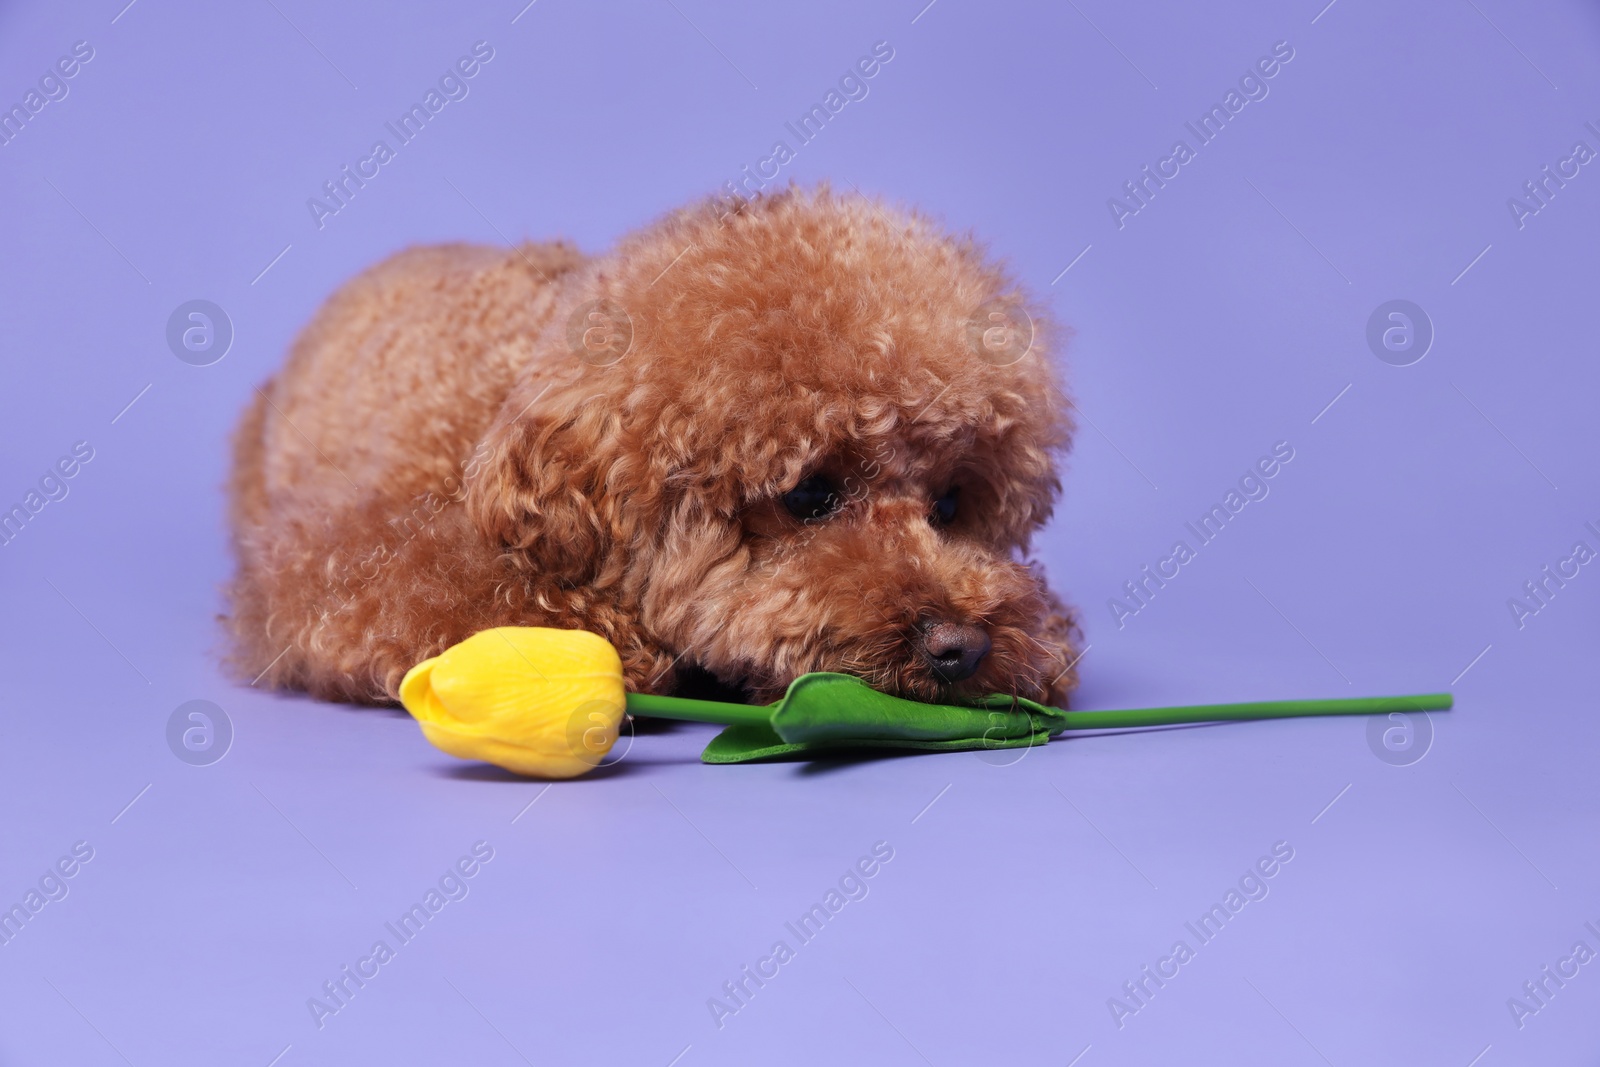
810,433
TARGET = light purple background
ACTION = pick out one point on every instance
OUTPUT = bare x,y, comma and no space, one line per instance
1223,318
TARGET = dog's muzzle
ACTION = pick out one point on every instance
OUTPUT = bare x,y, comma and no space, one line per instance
953,649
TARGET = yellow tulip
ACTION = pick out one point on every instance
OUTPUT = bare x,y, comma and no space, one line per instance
541,702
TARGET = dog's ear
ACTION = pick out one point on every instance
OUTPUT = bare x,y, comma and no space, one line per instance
546,481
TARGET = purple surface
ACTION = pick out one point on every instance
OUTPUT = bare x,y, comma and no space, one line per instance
1224,316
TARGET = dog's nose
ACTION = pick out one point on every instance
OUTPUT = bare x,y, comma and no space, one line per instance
954,649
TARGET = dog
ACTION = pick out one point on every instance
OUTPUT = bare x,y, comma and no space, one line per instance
807,432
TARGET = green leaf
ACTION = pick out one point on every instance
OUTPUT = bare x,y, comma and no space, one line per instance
744,744
741,743
830,713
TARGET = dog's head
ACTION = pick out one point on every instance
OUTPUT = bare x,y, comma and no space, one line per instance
806,434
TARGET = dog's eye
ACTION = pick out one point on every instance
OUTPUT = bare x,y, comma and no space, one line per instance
813,498
944,508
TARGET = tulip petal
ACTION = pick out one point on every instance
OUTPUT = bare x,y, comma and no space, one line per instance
515,756
506,670
534,700
416,691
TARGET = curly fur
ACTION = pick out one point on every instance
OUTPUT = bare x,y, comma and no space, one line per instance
435,458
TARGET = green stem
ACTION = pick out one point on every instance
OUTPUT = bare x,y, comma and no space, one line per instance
1265,709
761,715
699,710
